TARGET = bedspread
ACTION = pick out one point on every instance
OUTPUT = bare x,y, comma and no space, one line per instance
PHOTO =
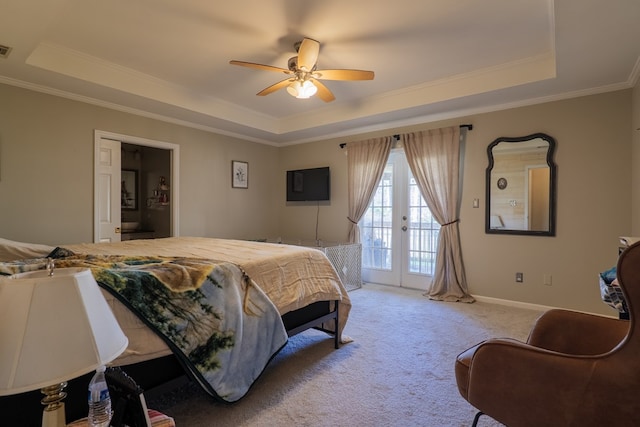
291,276
217,321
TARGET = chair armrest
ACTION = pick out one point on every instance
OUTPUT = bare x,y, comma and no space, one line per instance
508,378
577,333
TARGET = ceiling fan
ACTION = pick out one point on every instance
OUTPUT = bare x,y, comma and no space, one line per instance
304,80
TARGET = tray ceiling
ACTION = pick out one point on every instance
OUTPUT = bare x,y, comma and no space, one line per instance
432,59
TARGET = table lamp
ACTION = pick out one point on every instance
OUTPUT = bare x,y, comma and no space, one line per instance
55,325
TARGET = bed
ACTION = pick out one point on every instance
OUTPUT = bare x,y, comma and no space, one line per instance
300,282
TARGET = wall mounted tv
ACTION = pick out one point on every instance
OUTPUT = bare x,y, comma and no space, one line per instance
305,185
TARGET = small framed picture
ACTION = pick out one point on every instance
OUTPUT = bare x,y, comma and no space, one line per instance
239,174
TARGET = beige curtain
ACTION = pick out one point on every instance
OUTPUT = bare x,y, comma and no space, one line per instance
434,159
366,161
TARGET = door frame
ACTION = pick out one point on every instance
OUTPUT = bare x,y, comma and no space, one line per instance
174,150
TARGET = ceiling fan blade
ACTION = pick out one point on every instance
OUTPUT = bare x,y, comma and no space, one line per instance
323,92
308,54
344,74
260,66
274,87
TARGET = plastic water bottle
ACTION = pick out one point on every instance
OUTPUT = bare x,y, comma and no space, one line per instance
99,400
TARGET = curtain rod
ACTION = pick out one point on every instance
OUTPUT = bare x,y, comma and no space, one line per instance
465,126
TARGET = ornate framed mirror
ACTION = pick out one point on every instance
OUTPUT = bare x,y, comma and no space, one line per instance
521,186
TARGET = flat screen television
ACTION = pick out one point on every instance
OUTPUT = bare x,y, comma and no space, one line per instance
305,185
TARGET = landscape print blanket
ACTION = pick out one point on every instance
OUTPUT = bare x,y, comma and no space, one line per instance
211,314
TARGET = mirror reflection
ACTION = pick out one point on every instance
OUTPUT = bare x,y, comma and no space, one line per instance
520,186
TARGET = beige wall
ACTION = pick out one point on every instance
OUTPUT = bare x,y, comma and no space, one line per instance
46,171
298,219
46,187
594,206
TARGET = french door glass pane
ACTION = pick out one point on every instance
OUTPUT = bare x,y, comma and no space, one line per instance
376,225
376,228
423,233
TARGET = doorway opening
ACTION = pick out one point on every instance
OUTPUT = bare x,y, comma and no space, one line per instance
135,188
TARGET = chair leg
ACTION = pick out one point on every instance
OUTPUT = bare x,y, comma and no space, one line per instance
476,419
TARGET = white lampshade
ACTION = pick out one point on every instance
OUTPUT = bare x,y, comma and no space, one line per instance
53,329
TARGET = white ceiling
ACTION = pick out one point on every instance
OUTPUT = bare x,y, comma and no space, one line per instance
433,59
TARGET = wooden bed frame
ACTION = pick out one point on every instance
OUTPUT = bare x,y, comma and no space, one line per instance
155,376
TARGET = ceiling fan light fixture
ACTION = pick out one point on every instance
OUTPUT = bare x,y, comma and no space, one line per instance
305,80
302,89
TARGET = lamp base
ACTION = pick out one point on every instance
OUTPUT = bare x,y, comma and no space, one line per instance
53,414
54,418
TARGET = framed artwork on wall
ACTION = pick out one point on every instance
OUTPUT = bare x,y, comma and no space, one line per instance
239,174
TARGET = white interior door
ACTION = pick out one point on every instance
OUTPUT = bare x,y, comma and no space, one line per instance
398,232
107,191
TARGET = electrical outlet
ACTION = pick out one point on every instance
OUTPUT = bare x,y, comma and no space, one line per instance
546,280
519,277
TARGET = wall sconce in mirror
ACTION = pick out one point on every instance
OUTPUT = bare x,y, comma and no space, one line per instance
521,186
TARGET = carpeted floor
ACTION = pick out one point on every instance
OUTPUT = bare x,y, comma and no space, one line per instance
398,371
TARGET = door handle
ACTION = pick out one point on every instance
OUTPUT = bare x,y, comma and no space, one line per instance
404,228
117,230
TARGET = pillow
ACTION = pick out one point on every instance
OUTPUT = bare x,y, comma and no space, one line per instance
11,250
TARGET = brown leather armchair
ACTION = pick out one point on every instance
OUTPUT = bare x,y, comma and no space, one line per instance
575,369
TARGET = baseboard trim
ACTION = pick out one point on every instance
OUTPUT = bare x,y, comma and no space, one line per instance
500,301
511,303
530,306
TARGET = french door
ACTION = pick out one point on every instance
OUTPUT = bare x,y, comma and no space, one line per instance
398,233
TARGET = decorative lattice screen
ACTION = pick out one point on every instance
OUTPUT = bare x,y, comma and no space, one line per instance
347,260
